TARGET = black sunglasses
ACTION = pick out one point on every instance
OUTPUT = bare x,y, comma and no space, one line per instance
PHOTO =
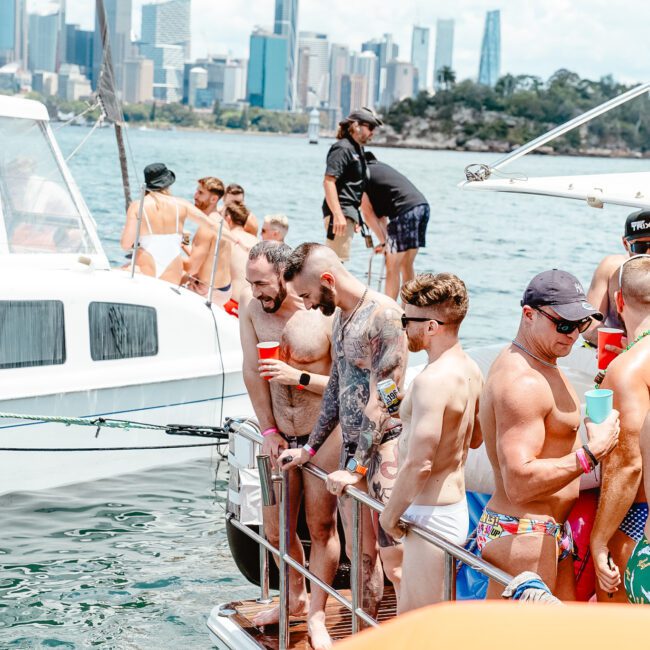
406,320
563,326
370,127
639,247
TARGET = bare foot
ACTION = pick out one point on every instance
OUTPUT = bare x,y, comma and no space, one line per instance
318,634
272,616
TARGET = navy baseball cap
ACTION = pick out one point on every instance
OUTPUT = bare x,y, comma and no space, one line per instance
561,291
637,225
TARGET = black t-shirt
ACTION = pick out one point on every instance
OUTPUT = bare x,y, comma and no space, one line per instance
346,162
390,192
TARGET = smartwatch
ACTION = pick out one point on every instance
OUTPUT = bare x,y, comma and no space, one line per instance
304,380
356,467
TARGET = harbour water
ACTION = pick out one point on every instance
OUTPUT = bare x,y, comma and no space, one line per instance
138,561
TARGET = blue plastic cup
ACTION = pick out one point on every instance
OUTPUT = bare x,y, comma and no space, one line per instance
600,402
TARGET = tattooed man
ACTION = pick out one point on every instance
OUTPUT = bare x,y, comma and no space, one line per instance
368,345
286,394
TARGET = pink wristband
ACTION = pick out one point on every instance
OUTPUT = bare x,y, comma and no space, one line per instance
269,431
582,459
309,449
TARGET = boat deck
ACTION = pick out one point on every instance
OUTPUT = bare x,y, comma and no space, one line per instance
339,620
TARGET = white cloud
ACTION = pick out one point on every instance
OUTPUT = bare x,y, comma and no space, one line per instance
590,37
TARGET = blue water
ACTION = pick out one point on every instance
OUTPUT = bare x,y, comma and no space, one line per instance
138,561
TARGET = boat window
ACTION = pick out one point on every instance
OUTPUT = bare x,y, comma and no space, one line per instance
36,204
31,333
121,331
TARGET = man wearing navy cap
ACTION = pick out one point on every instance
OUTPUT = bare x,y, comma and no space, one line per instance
530,416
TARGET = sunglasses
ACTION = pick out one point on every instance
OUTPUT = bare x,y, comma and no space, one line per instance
370,127
639,247
412,319
563,326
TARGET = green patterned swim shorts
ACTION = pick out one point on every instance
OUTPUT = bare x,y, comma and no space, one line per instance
637,574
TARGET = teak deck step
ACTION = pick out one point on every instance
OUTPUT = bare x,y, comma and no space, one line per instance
339,620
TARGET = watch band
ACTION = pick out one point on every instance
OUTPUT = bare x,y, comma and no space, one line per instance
305,378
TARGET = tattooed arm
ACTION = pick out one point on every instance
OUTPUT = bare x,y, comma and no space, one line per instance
388,351
329,411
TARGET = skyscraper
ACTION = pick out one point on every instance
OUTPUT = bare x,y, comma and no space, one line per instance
286,24
43,41
118,16
420,56
400,77
339,65
386,51
267,70
354,91
315,56
365,64
79,48
444,49
490,67
13,31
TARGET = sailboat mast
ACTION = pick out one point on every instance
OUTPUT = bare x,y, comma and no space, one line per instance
107,93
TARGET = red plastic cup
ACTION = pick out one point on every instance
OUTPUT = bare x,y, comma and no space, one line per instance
268,350
608,336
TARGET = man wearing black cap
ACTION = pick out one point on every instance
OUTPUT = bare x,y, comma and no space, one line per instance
345,177
530,417
604,284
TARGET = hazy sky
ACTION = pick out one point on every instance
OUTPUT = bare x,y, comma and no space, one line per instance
590,37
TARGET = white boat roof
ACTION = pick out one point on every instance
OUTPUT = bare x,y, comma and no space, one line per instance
628,189
19,107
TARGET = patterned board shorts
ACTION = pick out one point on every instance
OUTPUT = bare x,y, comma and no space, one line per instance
637,573
408,230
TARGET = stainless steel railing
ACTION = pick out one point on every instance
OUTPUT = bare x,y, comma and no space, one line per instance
452,551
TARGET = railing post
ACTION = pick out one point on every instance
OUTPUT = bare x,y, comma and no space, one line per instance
268,499
285,545
450,577
356,574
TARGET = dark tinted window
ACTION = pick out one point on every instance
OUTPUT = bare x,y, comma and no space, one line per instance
31,333
119,331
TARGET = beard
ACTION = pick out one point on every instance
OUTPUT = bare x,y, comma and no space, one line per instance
276,302
415,343
326,301
201,205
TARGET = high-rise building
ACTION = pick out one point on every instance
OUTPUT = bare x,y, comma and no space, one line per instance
490,66
43,41
234,81
365,64
286,24
354,92
118,17
198,82
400,78
13,32
386,51
167,23
339,65
79,48
268,72
167,70
315,57
444,50
138,80
72,84
420,56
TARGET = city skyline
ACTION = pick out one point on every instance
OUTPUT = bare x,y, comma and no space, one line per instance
536,39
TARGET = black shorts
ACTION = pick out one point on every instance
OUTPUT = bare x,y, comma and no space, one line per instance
349,447
408,230
295,442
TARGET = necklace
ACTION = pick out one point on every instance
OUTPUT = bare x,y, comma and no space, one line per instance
529,353
349,318
601,373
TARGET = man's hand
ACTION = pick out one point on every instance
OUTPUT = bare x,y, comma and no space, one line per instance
615,349
339,480
603,437
339,224
396,529
609,577
279,372
292,458
272,446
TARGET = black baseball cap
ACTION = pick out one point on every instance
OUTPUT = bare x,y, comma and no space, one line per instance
366,115
561,291
158,177
637,225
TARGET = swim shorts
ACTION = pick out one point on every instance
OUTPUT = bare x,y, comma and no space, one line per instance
637,573
634,521
408,230
232,307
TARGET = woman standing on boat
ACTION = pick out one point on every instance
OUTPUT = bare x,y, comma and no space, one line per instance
345,178
159,251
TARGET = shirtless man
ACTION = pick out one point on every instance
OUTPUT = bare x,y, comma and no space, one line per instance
369,346
530,416
235,215
275,227
604,284
286,397
198,266
439,419
622,507
235,194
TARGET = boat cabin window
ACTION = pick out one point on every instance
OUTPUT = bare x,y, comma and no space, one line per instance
31,333
122,331
37,211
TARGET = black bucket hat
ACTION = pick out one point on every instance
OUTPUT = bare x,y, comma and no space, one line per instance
158,177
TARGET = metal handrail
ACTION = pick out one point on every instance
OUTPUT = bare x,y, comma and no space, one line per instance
360,498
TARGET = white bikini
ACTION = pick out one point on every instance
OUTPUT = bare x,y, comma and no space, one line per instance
164,248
